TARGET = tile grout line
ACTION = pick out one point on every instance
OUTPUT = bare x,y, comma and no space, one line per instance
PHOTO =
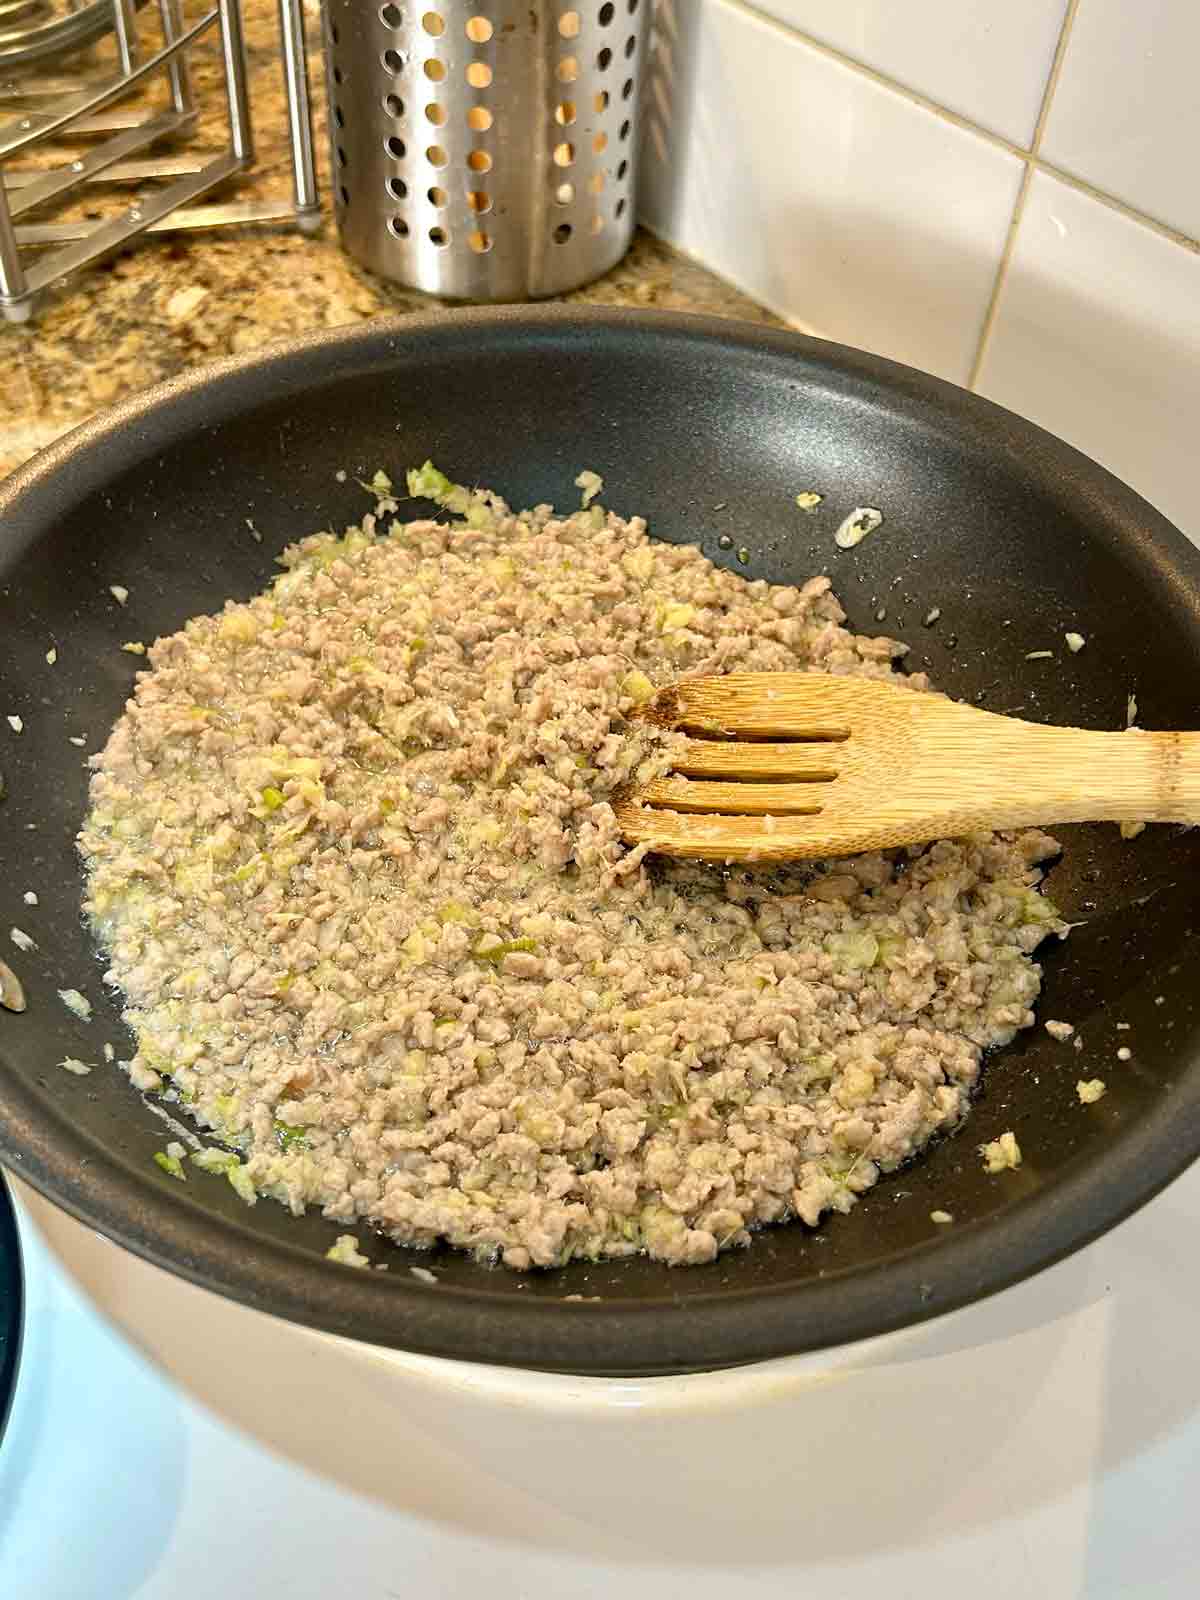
1029,156
1052,77
992,309
992,312
1122,207
832,53
957,119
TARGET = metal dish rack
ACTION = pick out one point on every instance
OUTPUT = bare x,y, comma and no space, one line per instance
82,108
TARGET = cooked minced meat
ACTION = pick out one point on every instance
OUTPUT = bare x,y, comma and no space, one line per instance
353,855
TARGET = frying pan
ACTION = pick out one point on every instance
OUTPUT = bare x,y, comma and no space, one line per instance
710,429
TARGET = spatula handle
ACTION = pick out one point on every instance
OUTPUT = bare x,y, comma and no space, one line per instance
1023,773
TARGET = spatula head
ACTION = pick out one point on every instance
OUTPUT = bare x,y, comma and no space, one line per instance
785,765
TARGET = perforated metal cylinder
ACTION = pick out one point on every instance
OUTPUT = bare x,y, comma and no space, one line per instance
483,149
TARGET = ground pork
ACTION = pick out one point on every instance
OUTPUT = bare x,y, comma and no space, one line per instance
353,859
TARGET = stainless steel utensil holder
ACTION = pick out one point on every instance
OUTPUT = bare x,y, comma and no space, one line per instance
65,246
485,149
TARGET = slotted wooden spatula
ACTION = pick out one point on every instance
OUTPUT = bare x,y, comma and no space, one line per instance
788,765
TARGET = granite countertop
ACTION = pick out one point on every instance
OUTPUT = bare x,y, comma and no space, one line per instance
174,302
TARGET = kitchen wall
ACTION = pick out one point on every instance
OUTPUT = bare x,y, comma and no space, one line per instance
1005,192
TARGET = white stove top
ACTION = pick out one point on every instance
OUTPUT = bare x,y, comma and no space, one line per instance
1046,1443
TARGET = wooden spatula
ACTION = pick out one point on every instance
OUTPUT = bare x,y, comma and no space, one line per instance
786,765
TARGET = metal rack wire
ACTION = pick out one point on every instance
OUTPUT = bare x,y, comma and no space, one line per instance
97,108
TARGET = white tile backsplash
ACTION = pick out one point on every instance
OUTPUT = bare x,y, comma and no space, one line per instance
987,59
822,186
1098,339
1126,112
838,202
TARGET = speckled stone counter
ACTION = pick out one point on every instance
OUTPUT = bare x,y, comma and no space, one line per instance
177,301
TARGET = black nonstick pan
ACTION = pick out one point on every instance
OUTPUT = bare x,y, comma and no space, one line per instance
710,429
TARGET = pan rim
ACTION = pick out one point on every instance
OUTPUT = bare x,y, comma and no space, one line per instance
627,1338
12,1304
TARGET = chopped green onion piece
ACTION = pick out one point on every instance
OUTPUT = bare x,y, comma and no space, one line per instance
509,947
347,1252
289,1138
638,686
242,1183
427,482
221,1161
